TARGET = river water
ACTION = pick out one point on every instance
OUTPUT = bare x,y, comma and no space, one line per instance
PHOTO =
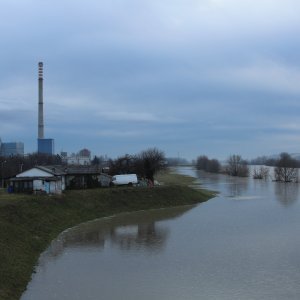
243,244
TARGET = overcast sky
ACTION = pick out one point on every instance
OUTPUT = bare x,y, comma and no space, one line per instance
214,77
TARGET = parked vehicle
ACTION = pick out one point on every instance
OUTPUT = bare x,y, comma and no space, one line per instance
125,179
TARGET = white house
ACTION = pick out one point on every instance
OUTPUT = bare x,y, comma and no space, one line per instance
39,179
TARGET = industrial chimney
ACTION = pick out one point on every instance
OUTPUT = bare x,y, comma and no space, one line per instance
41,112
45,146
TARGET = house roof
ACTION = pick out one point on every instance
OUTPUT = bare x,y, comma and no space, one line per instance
55,170
70,170
73,170
60,170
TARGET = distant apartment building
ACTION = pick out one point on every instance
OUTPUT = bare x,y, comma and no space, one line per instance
83,158
11,148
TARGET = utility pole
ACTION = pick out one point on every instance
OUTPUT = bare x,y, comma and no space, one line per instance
2,173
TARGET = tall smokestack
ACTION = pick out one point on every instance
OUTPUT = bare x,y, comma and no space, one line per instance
41,112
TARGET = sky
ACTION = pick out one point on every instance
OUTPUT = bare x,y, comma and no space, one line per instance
209,77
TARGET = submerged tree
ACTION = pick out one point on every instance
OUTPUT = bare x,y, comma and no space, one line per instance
286,168
236,166
261,173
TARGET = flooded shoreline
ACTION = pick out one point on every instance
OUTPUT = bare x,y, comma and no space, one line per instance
243,244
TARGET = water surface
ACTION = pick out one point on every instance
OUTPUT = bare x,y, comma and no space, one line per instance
243,244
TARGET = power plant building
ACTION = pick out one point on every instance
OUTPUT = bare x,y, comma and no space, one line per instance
45,146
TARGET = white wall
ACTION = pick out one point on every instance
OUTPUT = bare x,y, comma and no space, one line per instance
55,186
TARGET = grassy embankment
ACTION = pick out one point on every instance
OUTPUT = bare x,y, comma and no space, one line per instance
28,223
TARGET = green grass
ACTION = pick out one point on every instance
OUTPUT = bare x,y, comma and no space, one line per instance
28,223
168,178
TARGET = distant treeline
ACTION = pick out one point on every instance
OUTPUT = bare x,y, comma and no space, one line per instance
208,165
176,161
285,167
272,162
235,165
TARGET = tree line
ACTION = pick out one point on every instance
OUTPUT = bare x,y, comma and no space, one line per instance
145,164
235,165
285,167
208,165
148,162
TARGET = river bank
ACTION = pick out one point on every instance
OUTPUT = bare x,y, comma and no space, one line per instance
28,223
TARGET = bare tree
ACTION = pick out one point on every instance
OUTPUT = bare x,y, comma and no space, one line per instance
123,165
261,173
213,166
236,166
286,169
202,162
150,162
145,164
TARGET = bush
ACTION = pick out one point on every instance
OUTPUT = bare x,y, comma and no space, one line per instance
261,173
208,165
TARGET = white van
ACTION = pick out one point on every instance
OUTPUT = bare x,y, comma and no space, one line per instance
126,179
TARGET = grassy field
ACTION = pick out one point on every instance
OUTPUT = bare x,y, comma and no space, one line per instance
167,177
28,223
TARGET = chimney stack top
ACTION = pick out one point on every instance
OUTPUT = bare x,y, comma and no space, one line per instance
40,70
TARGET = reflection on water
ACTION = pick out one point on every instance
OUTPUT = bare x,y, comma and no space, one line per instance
237,189
230,186
242,245
125,231
287,193
143,232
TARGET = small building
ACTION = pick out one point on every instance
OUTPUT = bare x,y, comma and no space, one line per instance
39,180
55,179
81,177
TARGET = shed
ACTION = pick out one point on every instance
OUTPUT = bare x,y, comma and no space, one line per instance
55,179
78,177
39,179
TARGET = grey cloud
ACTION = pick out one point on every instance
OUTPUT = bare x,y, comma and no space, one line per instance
178,74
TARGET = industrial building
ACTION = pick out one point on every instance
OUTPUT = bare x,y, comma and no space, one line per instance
45,146
11,149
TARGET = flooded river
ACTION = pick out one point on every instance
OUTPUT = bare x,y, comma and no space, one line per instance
243,244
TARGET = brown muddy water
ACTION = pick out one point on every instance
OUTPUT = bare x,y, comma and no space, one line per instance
243,244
